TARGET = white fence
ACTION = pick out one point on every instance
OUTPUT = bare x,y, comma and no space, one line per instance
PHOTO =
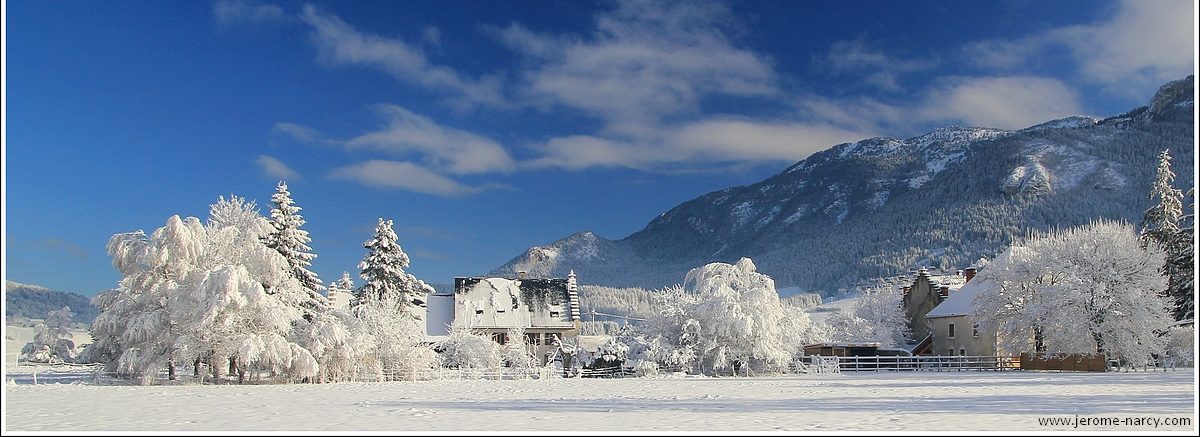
921,363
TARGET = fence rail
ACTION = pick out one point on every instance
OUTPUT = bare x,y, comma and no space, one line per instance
924,363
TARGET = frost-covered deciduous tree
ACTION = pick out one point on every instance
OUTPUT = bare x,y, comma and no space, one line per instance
208,294
1089,289
463,349
382,271
877,316
136,331
52,339
726,318
515,354
289,240
397,338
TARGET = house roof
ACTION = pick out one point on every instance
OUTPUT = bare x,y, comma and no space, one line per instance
959,302
844,344
497,302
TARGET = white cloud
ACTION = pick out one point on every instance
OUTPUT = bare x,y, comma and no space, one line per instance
275,168
300,133
234,12
1143,44
883,71
1147,42
403,176
643,61
340,43
707,141
456,151
999,102
413,136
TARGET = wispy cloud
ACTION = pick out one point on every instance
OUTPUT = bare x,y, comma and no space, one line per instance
276,169
1142,45
236,12
60,246
1000,102
409,135
1008,102
404,176
876,68
712,141
339,43
449,149
642,62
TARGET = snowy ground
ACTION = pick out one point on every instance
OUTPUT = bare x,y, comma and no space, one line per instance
821,312
1011,401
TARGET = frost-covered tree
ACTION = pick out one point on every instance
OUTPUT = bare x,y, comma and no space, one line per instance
877,316
292,242
136,330
1163,226
515,354
397,338
726,318
341,345
1161,221
208,294
52,339
463,349
382,271
1089,289
1180,267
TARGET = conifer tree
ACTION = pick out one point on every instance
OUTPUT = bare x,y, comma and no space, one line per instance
292,242
383,272
1161,226
1182,286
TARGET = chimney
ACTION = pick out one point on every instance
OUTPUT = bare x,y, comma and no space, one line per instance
944,291
521,274
969,272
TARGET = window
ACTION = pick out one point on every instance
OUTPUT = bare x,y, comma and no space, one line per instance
554,314
962,351
500,337
951,333
974,329
531,338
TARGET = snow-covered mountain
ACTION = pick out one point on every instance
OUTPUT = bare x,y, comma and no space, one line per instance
883,206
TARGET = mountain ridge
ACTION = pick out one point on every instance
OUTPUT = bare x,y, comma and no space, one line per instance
884,205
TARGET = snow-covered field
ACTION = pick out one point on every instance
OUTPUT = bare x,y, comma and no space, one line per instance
821,313
1011,401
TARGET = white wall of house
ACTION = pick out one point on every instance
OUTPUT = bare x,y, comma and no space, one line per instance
966,339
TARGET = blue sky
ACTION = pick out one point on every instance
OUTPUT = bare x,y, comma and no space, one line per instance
483,128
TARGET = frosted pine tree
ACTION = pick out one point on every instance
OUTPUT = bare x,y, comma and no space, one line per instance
292,242
383,272
1161,220
1182,286
1161,227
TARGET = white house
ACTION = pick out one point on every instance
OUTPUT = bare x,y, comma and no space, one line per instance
954,331
546,308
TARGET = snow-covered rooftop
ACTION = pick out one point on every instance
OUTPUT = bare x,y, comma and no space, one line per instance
959,302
